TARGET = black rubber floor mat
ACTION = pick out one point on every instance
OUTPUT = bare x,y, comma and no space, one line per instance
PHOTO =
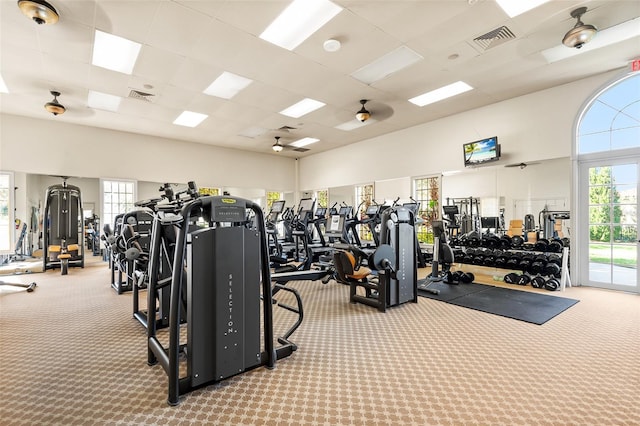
526,306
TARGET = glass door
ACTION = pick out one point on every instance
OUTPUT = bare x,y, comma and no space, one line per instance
609,205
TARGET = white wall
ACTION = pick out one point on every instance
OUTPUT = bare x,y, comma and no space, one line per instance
57,148
533,127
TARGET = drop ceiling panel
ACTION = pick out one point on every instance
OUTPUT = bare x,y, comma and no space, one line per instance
185,26
128,19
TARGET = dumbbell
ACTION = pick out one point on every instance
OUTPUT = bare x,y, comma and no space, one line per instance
466,277
511,278
505,242
541,245
537,282
552,284
517,241
552,270
523,279
537,265
555,246
450,278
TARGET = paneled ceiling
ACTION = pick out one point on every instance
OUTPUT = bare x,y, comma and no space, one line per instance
186,44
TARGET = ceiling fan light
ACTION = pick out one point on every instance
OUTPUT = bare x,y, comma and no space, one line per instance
277,147
581,33
39,11
363,115
55,107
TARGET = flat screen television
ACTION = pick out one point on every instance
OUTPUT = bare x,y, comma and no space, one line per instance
482,151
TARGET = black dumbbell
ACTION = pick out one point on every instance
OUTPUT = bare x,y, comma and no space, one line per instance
505,242
552,270
541,245
552,284
537,282
523,279
511,278
555,246
467,277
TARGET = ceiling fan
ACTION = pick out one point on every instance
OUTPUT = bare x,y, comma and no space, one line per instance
522,165
279,147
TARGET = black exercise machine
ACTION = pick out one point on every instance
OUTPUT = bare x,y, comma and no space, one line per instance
394,260
63,223
443,257
224,269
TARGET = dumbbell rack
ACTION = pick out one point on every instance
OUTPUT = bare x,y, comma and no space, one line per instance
565,278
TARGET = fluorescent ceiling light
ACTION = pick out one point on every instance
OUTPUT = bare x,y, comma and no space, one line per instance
354,124
227,85
518,7
298,21
3,86
441,93
103,101
190,119
393,61
303,107
303,142
606,37
115,53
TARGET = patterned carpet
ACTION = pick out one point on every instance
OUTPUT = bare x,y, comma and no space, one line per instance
71,354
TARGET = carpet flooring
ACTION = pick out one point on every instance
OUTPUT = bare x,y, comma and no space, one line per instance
72,354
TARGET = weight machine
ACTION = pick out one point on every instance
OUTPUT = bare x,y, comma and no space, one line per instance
224,269
468,215
395,260
63,228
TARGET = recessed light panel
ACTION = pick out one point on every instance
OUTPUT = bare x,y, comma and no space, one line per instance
227,85
518,7
606,37
394,61
103,101
190,119
115,53
303,142
298,21
303,107
441,93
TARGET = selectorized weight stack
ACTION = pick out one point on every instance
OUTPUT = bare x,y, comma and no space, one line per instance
395,261
63,228
228,285
398,230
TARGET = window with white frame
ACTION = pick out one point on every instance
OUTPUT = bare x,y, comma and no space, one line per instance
364,198
118,197
426,191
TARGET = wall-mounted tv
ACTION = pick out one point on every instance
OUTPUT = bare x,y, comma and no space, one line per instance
482,151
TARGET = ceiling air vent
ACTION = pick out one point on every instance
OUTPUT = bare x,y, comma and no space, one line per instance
494,38
143,96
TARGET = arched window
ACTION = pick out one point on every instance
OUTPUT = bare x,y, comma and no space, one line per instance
612,121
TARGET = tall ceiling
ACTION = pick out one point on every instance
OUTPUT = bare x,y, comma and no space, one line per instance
186,44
